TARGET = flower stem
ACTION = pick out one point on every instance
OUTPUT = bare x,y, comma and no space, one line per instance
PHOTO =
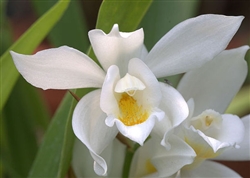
74,95
128,159
125,141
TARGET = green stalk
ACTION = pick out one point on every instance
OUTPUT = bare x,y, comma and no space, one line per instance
128,159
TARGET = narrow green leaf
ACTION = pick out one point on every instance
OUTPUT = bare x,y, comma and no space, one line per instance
128,159
247,81
24,115
69,139
53,158
6,39
127,14
32,104
73,35
48,158
26,44
162,16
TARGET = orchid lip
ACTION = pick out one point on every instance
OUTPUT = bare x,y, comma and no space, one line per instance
131,113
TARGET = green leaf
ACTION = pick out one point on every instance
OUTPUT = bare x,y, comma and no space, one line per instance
24,115
6,39
240,104
162,16
53,158
247,81
127,14
26,44
48,158
73,35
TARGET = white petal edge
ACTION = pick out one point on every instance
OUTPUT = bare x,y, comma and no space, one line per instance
89,126
59,68
82,162
191,44
114,154
108,102
232,130
138,132
116,48
168,162
144,53
206,144
210,169
214,85
175,108
243,152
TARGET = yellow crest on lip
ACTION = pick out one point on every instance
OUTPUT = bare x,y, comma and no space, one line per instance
130,112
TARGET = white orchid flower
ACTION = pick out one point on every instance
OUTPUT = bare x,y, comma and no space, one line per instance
207,147
130,96
210,133
207,132
218,82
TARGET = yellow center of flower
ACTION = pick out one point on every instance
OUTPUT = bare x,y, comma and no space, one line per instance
208,120
150,167
130,112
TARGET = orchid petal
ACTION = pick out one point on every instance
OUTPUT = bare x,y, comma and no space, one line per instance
116,48
89,126
191,107
138,132
206,146
232,130
108,102
153,160
81,160
144,53
243,152
209,169
152,93
171,161
116,161
59,68
114,154
175,108
215,84
141,164
191,44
